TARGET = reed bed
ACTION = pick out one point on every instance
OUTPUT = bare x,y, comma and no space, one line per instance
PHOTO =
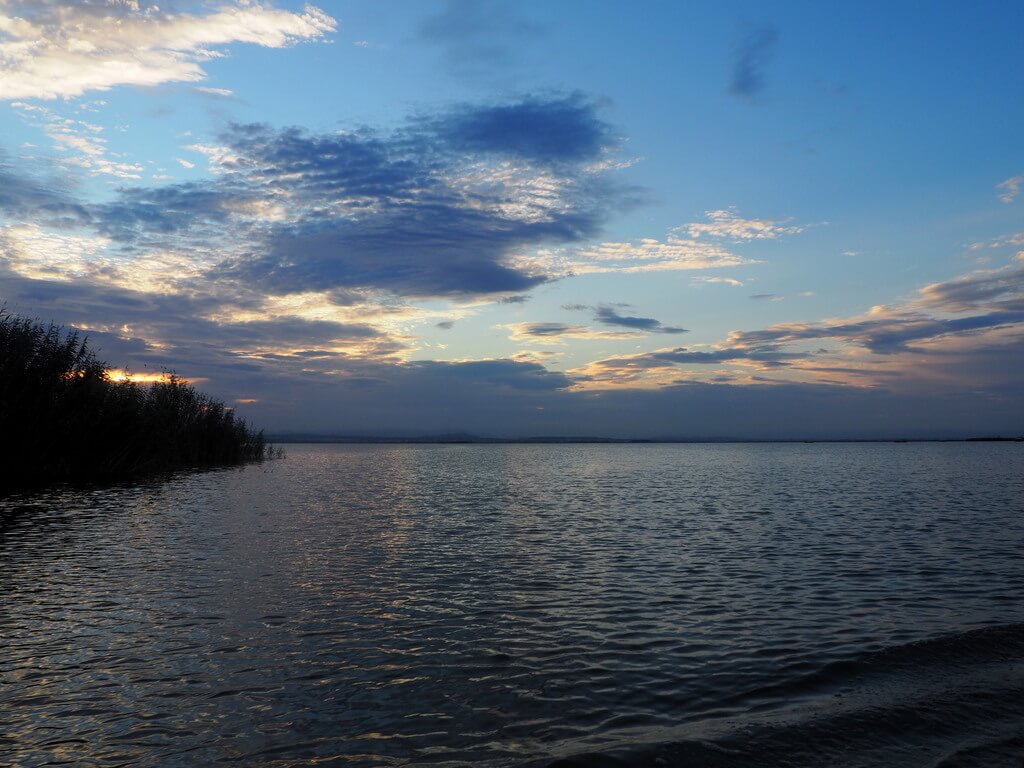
64,419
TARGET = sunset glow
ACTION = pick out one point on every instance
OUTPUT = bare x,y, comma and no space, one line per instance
119,374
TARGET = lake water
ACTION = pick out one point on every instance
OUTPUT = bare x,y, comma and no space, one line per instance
819,604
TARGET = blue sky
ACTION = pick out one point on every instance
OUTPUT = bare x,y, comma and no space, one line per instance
677,220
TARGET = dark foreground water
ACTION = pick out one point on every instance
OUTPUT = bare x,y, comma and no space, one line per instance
733,605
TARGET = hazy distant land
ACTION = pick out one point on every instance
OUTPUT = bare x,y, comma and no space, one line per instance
455,438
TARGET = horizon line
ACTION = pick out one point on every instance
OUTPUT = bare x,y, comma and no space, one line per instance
463,438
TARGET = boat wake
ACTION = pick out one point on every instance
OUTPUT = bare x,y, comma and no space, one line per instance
951,702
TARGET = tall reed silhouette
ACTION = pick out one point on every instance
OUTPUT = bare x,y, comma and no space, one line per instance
64,419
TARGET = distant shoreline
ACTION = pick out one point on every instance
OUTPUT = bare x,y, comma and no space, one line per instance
294,439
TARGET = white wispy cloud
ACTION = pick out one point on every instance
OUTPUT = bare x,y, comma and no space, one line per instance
651,255
217,156
724,280
727,224
1011,188
518,190
80,143
31,251
58,50
692,246
221,92
40,254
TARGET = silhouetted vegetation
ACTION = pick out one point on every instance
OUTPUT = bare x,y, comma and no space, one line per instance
62,417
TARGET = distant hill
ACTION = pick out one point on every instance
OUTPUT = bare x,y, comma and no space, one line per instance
468,438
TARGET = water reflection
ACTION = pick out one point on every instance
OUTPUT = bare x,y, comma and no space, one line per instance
495,604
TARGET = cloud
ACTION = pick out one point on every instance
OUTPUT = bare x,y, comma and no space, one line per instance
950,333
465,203
423,211
994,299
724,280
26,197
478,37
192,215
412,250
608,315
694,246
887,333
605,314
445,325
727,224
191,332
552,131
220,93
507,374
646,255
279,366
33,252
1011,188
62,50
287,263
296,253
1002,289
556,333
80,143
1014,241
767,297
350,377
752,53
629,369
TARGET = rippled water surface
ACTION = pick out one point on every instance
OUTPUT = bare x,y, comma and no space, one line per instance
846,604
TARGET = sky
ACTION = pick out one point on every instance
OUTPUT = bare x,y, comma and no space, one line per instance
679,220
